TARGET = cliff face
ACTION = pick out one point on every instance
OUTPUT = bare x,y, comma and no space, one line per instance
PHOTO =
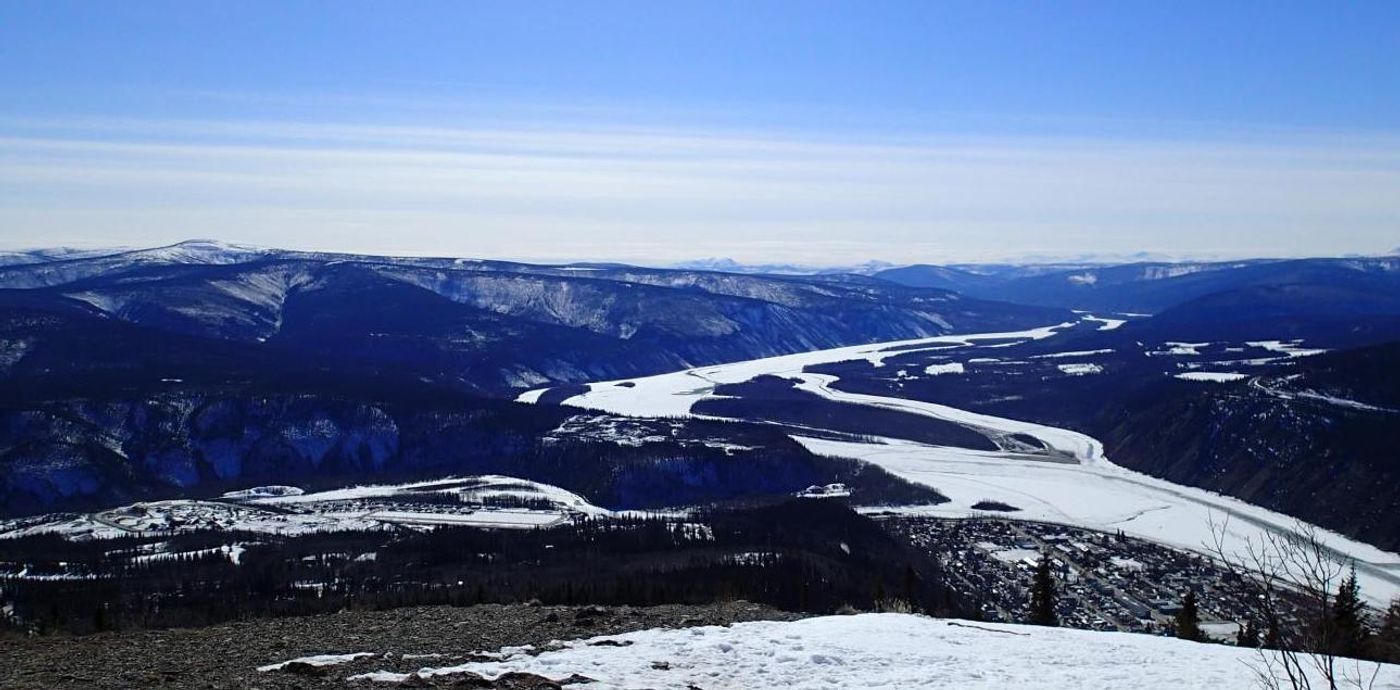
78,454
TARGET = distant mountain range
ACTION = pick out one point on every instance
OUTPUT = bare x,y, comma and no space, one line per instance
486,325
202,365
731,266
1152,287
1333,301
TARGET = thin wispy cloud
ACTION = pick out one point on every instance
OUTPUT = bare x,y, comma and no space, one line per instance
548,191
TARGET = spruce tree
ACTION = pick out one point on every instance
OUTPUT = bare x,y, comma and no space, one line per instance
1273,636
1248,634
1348,628
1388,640
1391,625
1188,619
1043,594
911,587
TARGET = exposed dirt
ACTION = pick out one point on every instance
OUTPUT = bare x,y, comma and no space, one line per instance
227,656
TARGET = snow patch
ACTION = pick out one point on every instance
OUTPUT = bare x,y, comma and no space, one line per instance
1074,353
317,660
1292,348
1108,324
1079,369
531,397
1212,376
263,492
1180,349
940,369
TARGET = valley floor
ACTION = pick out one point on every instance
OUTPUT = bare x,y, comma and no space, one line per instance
1070,483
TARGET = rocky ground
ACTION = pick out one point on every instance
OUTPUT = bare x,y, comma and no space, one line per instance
227,656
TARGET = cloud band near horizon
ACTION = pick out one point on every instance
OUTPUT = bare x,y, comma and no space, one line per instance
547,193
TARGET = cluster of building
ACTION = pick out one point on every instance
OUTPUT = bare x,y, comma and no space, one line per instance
1103,581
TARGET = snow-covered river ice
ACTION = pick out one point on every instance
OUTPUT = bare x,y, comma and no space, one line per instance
1084,488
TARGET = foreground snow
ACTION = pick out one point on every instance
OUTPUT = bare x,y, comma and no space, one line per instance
1072,484
884,650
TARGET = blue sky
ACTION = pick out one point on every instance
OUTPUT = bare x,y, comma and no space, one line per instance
818,132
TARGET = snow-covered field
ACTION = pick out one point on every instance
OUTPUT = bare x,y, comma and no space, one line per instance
290,511
884,650
474,488
1083,489
176,516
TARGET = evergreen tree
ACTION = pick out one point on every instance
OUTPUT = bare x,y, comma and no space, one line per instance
1043,594
911,587
1391,624
1348,626
100,618
1388,640
1188,619
1248,634
1273,636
